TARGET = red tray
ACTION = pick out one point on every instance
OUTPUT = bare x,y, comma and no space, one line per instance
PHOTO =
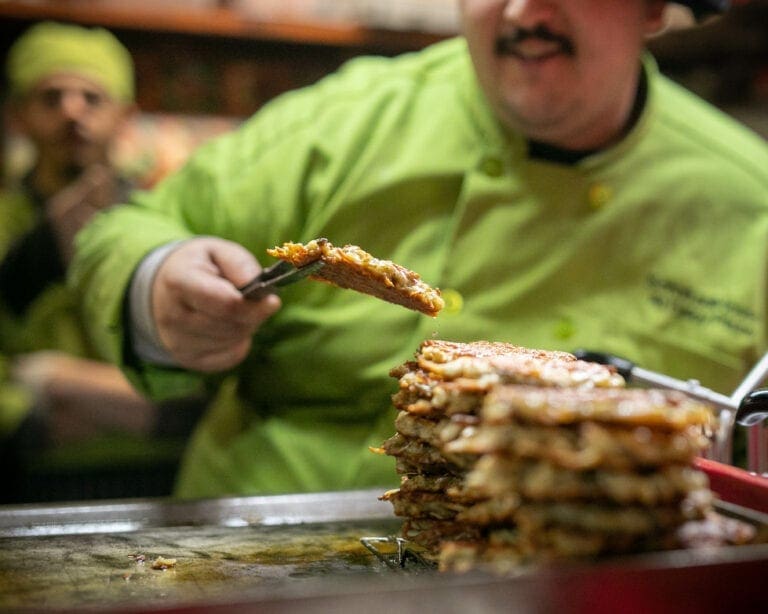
736,485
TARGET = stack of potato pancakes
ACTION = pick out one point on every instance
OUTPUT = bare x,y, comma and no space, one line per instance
510,456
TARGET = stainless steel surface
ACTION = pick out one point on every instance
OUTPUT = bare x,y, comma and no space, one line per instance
690,387
101,554
752,380
303,553
134,515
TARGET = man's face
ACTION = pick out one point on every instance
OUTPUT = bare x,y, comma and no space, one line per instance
71,120
560,71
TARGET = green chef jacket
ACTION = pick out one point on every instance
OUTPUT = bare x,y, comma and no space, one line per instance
39,312
654,250
47,320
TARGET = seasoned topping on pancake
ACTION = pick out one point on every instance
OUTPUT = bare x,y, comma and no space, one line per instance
439,351
490,363
540,480
664,409
583,447
352,267
527,369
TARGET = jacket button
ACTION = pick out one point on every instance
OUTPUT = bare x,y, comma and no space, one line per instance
564,329
598,196
454,302
493,167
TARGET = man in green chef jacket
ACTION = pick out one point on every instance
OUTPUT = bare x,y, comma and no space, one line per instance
539,170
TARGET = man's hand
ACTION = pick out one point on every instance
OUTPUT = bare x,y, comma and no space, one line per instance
73,207
79,399
201,317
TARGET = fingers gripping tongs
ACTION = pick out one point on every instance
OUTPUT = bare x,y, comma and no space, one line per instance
280,274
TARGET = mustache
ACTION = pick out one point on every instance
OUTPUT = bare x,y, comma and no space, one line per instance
74,130
508,44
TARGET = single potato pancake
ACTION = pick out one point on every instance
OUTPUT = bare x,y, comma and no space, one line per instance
353,268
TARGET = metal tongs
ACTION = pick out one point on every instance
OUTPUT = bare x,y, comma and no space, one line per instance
747,406
280,274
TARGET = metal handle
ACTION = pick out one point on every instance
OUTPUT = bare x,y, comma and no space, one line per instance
632,373
622,365
753,410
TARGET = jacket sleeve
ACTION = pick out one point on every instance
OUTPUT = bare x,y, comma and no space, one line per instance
274,179
108,251
244,186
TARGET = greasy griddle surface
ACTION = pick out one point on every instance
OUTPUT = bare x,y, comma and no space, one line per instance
66,571
302,553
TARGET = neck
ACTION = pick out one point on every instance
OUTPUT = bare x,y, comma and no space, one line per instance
625,116
571,155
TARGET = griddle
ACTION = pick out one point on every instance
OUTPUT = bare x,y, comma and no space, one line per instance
304,553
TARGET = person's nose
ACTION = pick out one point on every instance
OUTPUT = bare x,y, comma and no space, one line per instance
529,13
73,105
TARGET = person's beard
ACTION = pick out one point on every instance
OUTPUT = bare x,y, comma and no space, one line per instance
72,170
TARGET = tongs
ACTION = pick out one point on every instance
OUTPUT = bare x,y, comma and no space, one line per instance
278,275
747,406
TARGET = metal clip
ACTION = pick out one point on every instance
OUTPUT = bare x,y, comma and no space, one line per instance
400,556
280,274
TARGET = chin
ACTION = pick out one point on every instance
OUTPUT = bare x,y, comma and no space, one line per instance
532,122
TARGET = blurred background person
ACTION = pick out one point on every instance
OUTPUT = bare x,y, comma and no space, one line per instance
71,426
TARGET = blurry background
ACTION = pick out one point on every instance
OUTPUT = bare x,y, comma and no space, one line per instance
204,65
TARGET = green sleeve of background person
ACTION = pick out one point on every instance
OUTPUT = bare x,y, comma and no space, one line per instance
654,250
17,216
52,321
15,402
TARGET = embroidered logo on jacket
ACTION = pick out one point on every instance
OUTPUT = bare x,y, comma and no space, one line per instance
690,304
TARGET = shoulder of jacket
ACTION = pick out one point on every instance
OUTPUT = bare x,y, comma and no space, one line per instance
700,126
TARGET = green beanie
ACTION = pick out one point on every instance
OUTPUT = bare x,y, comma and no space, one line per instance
49,48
